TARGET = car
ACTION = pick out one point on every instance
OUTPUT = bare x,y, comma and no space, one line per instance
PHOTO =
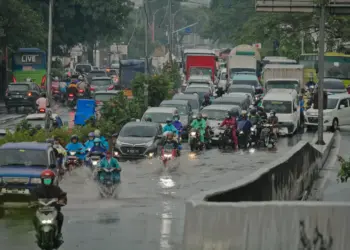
3,132
44,120
216,115
96,73
22,94
185,112
334,86
160,114
103,96
240,88
336,114
101,83
21,164
193,100
241,101
285,102
112,72
139,140
247,79
206,80
200,91
83,68
222,81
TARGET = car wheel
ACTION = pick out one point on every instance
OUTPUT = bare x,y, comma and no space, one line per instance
335,125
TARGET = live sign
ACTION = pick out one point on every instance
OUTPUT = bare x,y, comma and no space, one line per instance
29,58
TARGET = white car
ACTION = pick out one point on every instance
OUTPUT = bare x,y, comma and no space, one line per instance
223,83
336,114
201,80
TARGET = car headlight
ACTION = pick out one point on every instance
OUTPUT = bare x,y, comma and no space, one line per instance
193,133
116,153
148,144
72,153
35,181
119,142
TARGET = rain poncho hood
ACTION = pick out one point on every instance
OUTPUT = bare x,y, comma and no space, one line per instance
170,128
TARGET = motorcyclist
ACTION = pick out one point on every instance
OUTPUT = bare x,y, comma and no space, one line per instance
244,124
170,139
177,124
42,102
254,117
82,85
220,92
76,146
104,142
62,153
49,191
169,127
310,82
206,101
98,147
230,121
148,119
73,88
110,162
273,120
205,118
262,112
199,124
90,142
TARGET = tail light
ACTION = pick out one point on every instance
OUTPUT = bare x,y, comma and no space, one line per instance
92,89
71,95
14,79
81,91
42,110
29,94
111,87
43,81
98,102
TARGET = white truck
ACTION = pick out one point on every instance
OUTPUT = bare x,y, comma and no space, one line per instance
283,76
240,63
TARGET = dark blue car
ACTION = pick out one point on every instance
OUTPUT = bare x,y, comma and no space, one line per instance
20,167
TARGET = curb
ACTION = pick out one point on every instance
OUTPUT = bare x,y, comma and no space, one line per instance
11,119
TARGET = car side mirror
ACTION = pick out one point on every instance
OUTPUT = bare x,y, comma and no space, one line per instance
52,166
159,136
295,109
342,106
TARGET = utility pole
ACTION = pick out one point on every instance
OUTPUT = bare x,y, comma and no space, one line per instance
145,6
49,52
321,74
170,34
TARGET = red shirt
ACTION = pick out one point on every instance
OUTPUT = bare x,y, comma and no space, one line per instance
229,122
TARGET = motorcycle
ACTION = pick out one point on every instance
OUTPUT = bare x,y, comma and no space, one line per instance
209,133
168,153
266,136
225,138
107,184
81,94
72,161
46,214
71,102
195,143
95,158
243,139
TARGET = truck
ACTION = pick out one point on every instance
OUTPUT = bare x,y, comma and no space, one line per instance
284,76
200,62
128,69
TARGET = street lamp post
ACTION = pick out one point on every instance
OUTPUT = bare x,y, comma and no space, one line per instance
153,23
49,52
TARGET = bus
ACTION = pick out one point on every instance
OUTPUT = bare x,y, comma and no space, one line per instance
128,69
29,63
336,65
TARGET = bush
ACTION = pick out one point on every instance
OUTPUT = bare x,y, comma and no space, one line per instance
344,172
173,73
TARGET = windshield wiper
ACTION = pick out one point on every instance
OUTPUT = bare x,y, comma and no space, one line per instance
135,136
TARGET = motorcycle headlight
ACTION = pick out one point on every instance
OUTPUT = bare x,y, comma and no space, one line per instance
167,155
94,163
193,133
252,129
241,133
35,181
46,221
148,144
72,153
89,149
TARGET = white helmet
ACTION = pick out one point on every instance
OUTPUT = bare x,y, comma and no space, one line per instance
97,133
56,78
28,79
251,107
80,78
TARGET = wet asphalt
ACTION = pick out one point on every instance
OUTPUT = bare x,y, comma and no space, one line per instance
149,212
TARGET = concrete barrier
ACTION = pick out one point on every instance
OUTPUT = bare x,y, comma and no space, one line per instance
247,216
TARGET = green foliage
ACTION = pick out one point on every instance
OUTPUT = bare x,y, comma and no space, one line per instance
344,172
159,88
173,73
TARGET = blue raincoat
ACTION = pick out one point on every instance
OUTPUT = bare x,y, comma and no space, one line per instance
177,125
113,163
89,144
78,147
98,149
170,128
244,125
104,142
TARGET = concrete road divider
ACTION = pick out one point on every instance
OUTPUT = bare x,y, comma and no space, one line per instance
257,213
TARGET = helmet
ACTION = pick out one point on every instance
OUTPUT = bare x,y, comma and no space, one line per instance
97,141
227,116
97,133
206,96
115,135
170,135
169,120
80,78
251,107
176,117
56,78
91,134
43,94
253,111
199,116
75,81
205,116
28,80
244,113
74,137
148,119
47,176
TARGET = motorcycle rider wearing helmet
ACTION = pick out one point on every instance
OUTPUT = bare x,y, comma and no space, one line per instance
49,191
104,142
254,117
76,146
262,112
98,147
170,139
148,119
177,124
169,127
61,152
110,162
231,122
273,120
206,101
199,124
42,102
73,87
90,141
244,124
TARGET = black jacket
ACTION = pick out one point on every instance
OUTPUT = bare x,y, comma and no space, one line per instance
49,192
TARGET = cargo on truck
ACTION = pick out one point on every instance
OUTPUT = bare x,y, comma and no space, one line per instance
128,69
283,76
200,62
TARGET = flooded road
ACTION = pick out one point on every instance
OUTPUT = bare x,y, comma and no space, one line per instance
149,213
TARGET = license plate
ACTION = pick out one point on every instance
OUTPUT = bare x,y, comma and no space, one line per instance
72,157
17,96
133,151
15,191
27,68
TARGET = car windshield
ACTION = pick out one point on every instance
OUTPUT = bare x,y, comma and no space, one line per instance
112,72
97,74
282,107
333,85
228,102
282,85
331,103
181,108
238,70
138,131
104,97
240,90
158,117
215,114
200,91
337,67
106,82
196,83
200,72
83,67
23,157
36,122
18,87
246,82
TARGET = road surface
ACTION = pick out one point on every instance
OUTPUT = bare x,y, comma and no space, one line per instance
149,213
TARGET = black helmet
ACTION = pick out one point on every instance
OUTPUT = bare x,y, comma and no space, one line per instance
176,117
43,94
228,116
253,111
169,120
74,137
272,113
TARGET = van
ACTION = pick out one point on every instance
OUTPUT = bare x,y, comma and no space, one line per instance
285,103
